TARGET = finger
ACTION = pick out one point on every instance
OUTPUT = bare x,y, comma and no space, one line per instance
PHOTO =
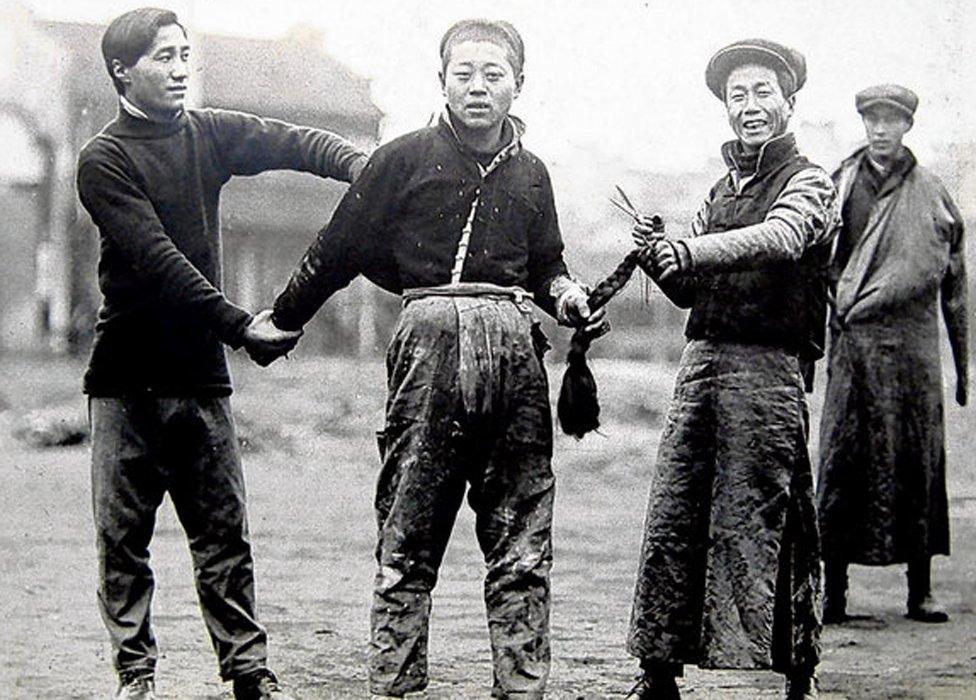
598,315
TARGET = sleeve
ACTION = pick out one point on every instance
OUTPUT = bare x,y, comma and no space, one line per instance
127,219
546,263
802,216
953,290
250,145
342,249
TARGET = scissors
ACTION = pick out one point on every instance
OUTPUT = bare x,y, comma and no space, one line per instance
626,206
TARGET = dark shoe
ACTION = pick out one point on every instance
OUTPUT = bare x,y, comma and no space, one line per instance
262,685
927,610
802,687
138,687
655,687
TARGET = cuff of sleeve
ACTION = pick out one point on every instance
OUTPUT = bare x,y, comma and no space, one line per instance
232,324
683,252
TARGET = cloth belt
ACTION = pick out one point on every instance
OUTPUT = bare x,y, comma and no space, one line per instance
467,289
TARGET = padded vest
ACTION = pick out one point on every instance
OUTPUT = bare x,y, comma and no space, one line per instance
780,305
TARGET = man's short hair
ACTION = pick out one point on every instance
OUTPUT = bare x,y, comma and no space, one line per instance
497,32
129,36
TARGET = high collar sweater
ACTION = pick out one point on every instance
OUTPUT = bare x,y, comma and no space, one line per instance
153,191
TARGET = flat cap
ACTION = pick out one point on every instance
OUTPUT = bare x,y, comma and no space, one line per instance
788,63
895,96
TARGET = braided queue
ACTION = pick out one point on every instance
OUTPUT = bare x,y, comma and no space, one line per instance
578,409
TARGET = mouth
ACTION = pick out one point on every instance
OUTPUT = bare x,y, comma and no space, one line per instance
178,90
754,124
477,108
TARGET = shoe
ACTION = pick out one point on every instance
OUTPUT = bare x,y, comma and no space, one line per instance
260,685
927,610
655,687
802,688
140,687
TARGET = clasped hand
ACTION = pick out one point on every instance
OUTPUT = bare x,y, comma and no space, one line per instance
661,261
265,342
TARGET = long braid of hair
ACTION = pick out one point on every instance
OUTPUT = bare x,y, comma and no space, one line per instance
603,293
578,408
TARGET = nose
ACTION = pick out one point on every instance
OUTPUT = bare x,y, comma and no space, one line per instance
477,84
752,103
181,69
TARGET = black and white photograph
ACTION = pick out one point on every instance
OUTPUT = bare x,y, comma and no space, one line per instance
487,349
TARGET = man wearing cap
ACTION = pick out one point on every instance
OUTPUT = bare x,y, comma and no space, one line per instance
898,257
157,380
459,218
729,573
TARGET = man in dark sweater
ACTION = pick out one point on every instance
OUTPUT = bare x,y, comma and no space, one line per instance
460,219
157,380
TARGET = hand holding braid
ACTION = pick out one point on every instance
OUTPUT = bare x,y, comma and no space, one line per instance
578,408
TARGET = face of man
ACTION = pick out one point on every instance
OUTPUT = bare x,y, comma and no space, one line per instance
757,109
885,127
157,82
480,85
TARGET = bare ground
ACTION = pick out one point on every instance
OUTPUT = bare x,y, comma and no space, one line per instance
311,461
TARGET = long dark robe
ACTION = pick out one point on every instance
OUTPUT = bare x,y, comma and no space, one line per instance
881,488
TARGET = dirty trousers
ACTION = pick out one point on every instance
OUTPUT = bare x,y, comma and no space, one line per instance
468,406
729,572
143,448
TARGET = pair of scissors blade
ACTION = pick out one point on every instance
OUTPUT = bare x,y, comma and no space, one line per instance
630,205
624,208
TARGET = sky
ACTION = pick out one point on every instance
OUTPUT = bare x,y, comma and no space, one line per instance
617,85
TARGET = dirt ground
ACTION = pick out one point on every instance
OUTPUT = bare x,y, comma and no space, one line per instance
311,461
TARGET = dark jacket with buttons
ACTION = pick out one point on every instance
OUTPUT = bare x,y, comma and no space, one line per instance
400,223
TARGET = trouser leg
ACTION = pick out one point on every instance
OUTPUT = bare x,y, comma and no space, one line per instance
835,590
514,526
418,496
127,488
207,488
919,576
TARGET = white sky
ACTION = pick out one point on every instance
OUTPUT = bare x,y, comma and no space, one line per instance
616,84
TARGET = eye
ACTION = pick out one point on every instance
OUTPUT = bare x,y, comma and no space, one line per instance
495,76
462,75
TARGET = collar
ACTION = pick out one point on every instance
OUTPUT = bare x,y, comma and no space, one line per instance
516,128
131,125
131,109
773,153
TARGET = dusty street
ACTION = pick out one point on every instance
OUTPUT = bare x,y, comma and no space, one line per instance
311,460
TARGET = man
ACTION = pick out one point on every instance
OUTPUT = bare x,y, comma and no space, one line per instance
729,573
158,380
899,253
460,219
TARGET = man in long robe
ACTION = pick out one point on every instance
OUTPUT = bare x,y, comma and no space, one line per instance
898,257
729,572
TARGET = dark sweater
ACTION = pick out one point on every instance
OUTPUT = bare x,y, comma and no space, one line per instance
153,191
400,223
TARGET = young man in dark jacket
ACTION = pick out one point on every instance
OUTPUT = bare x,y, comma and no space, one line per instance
460,219
158,380
729,573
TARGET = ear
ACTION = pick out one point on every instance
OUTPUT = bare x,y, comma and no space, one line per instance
440,76
519,81
120,72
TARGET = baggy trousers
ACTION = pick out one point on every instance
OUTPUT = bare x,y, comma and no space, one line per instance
143,448
468,406
729,573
